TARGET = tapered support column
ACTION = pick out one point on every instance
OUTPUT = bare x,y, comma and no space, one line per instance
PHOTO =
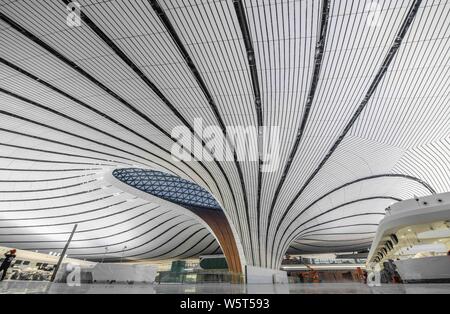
218,223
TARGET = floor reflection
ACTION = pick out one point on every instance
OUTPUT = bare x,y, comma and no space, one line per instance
30,287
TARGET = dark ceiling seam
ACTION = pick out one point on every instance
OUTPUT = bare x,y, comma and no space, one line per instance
52,197
76,135
381,72
160,95
70,215
326,222
130,239
54,161
156,237
251,58
331,241
318,59
342,227
110,235
340,206
151,240
49,170
358,245
77,222
50,152
57,142
167,242
62,143
312,234
203,250
48,85
389,175
190,63
66,132
44,180
216,251
55,207
187,58
337,234
77,68
198,242
350,203
85,230
408,87
103,237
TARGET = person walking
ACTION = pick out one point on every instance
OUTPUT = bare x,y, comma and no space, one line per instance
9,258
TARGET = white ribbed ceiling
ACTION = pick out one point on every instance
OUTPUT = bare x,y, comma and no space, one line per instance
363,112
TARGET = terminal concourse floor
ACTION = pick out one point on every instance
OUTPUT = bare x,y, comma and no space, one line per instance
30,287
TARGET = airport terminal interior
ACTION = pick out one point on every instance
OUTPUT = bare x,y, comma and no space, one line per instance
225,146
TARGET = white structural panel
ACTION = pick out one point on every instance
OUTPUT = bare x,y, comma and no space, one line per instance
358,89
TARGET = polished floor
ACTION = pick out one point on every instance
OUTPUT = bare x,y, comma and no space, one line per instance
30,287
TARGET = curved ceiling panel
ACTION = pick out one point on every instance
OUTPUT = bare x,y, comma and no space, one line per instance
39,207
360,96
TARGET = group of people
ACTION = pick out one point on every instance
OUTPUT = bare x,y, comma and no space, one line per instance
11,255
9,258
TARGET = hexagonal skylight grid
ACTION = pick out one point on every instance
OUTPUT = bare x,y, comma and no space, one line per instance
168,187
